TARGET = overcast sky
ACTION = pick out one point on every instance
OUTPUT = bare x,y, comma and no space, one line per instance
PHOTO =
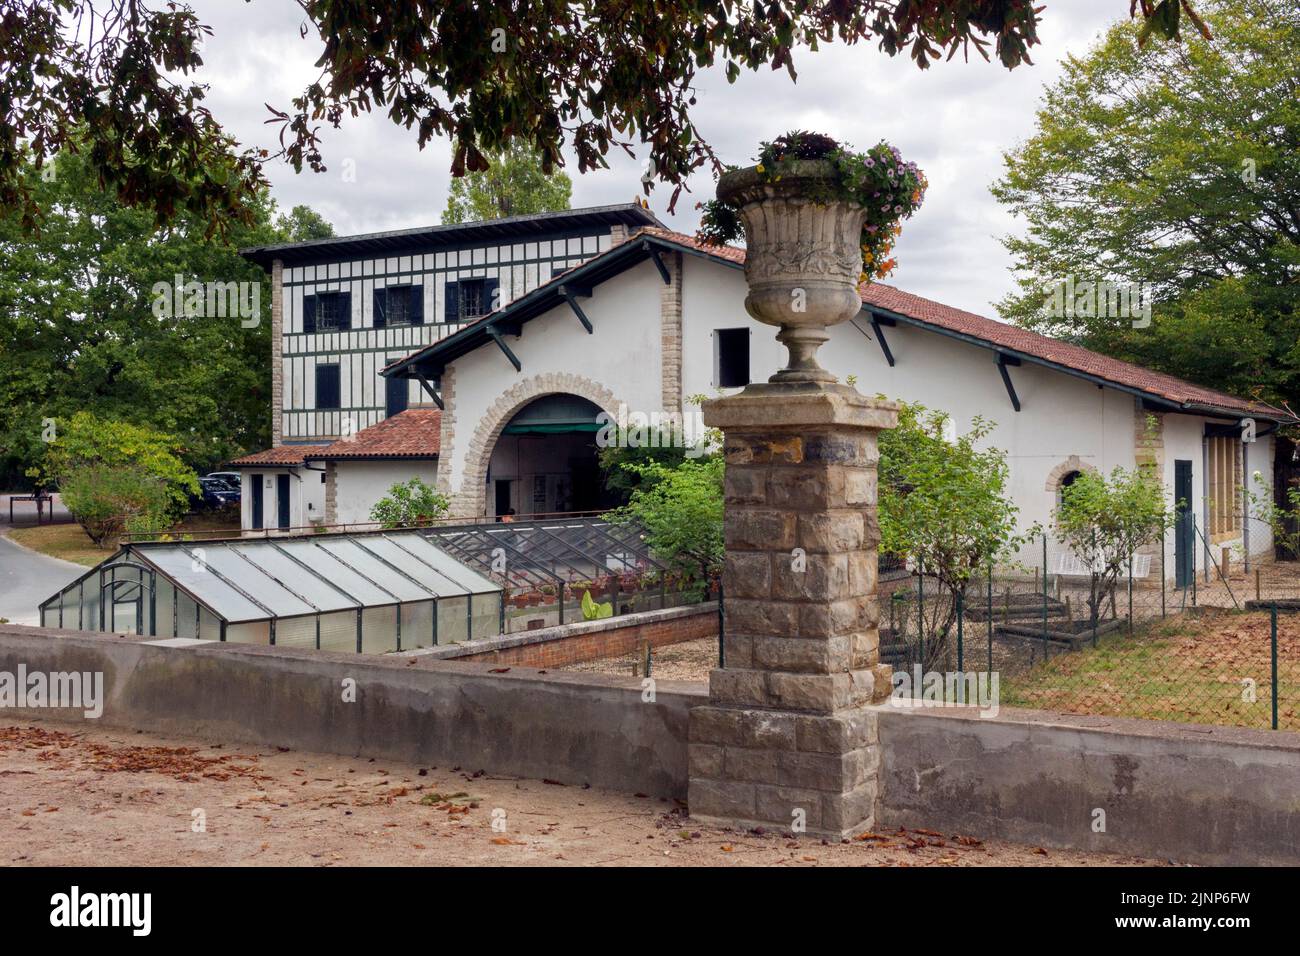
955,120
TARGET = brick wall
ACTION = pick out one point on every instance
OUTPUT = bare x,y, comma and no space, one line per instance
586,640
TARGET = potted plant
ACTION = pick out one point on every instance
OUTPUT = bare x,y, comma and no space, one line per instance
818,219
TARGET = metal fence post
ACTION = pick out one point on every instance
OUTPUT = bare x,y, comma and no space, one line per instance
920,614
1045,651
990,617
1273,656
960,631
1130,595
1162,574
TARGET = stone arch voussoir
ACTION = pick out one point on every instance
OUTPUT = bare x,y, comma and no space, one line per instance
471,500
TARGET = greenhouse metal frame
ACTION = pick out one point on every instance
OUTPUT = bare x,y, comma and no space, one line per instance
552,552
367,592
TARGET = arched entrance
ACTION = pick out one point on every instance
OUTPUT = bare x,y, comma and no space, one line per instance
545,460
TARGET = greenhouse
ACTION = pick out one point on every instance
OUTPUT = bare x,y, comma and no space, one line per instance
370,593
547,566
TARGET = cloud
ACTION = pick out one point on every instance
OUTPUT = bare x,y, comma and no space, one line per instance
955,120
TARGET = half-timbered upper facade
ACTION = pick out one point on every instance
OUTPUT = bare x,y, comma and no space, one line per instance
343,308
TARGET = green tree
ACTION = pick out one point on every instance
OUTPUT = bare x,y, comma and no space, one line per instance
512,185
409,504
582,74
1104,521
680,509
88,321
302,223
1173,167
618,458
87,445
943,504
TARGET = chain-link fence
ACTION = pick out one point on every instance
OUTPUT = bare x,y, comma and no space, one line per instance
1171,635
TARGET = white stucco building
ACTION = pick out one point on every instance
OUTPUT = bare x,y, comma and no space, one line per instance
649,318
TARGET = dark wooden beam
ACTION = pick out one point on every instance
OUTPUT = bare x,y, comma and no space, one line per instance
505,349
658,261
571,295
876,323
1003,362
429,389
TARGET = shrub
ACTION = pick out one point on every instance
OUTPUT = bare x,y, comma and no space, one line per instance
106,501
409,504
681,511
1105,520
943,504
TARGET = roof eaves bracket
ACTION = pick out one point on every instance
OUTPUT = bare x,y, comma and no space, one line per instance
1004,361
876,322
571,294
658,261
429,389
505,349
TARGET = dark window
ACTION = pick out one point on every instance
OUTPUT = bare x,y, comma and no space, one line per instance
399,305
333,311
469,299
327,386
730,357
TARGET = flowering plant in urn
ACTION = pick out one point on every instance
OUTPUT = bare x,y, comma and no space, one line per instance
818,219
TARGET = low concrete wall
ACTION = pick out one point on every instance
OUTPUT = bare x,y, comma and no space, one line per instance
1192,793
585,640
573,728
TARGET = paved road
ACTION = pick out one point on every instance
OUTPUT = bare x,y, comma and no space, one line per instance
27,579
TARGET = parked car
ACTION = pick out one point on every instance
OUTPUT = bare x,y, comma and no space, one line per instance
215,494
230,478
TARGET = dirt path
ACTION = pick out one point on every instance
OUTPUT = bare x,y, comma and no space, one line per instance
69,796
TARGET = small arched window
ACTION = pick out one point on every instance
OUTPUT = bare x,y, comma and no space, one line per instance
1067,480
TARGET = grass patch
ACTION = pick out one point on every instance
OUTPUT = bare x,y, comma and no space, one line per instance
1195,669
66,541
69,542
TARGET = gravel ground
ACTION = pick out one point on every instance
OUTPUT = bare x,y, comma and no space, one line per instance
72,796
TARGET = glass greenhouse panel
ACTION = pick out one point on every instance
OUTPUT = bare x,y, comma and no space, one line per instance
405,552
417,625
486,621
372,566
304,581
338,631
379,630
450,568
187,616
164,602
453,620
188,572
326,564
229,563
209,625
296,632
250,632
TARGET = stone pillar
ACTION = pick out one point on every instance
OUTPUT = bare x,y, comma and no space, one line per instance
788,735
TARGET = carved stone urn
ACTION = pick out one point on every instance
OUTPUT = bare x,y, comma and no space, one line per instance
803,262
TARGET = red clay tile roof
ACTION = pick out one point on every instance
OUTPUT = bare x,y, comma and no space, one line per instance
414,433
999,334
283,455
1013,337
